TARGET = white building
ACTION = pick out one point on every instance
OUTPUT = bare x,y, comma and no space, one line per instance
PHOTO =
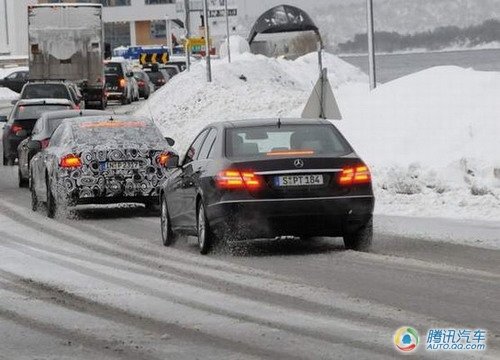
13,27
132,22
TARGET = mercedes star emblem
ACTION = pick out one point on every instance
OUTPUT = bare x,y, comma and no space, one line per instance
299,163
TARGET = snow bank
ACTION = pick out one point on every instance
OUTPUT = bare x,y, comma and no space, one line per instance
251,86
239,45
7,94
431,138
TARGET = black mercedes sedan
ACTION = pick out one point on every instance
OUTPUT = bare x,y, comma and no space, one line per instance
267,179
100,160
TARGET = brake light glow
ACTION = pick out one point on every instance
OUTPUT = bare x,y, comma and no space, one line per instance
163,158
359,174
45,143
291,153
140,83
236,179
123,83
15,128
70,161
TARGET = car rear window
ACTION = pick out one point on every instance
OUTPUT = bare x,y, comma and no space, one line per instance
286,140
45,91
155,76
24,112
103,132
113,69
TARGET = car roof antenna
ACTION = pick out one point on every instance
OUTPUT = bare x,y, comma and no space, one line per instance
279,123
81,112
111,118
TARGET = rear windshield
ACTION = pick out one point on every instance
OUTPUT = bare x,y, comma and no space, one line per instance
287,140
53,124
94,133
46,91
113,69
155,76
171,71
24,112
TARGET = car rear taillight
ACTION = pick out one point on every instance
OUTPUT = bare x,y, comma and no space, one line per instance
238,179
44,143
140,83
70,161
162,159
123,83
359,174
15,128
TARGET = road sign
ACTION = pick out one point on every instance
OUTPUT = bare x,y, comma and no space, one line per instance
154,58
196,41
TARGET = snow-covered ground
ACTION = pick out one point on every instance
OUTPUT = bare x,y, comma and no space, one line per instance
7,94
431,138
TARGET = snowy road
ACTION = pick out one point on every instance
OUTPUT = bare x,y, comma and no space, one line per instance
103,287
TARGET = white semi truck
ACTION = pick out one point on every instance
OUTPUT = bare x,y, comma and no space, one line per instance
66,42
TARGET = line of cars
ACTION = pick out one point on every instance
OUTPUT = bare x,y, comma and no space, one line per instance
238,180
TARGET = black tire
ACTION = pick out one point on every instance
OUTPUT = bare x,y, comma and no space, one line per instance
124,100
4,160
146,96
34,200
206,238
51,203
360,240
167,234
22,182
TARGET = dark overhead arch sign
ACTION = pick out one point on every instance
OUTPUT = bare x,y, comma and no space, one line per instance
283,18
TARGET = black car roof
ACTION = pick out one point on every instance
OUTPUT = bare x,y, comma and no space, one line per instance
269,122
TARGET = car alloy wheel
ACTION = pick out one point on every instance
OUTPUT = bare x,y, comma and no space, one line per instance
51,203
167,234
205,238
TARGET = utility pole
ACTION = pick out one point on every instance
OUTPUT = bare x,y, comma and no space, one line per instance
187,27
207,41
227,32
168,31
371,44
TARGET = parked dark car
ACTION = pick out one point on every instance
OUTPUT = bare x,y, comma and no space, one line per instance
44,127
172,70
21,121
159,77
100,160
16,80
146,87
266,179
118,81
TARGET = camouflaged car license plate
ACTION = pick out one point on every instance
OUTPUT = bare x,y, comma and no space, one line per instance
123,165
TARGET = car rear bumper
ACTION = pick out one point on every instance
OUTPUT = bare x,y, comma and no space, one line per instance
115,95
329,216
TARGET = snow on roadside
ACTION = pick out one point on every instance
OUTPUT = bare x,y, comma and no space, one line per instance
431,138
7,94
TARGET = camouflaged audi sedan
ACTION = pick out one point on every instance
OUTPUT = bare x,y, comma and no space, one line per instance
100,160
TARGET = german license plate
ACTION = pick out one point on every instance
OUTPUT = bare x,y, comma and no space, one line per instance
124,165
299,180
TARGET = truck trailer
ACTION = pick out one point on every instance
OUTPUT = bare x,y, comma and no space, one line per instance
66,42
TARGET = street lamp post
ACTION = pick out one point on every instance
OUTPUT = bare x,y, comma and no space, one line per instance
227,32
371,44
207,41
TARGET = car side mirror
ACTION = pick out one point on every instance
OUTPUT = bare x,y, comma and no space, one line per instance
34,145
13,102
22,133
130,74
170,141
173,161
3,118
